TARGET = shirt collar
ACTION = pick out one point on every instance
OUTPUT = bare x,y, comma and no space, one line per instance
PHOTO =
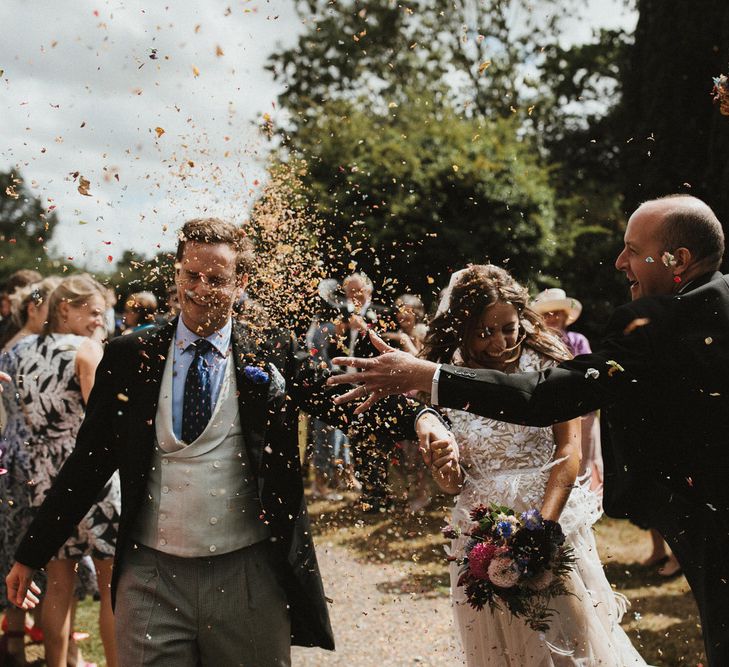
219,339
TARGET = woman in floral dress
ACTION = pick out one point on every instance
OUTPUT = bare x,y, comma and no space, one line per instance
55,375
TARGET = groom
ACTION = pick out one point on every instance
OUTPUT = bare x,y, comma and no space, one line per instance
215,562
661,378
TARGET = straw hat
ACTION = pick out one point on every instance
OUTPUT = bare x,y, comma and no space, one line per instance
553,299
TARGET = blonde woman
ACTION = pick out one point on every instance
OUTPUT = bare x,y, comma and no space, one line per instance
56,375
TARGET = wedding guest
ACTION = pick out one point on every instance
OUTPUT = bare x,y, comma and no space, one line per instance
371,459
410,315
57,370
559,312
29,313
20,278
485,322
331,458
140,310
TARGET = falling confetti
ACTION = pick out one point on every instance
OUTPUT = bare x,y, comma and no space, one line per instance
721,93
83,186
592,374
160,131
195,71
615,367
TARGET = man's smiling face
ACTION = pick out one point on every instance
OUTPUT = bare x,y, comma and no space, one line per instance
641,258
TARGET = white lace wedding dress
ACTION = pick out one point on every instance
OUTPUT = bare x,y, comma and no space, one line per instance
508,464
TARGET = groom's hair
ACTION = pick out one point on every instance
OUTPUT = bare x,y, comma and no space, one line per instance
690,223
215,230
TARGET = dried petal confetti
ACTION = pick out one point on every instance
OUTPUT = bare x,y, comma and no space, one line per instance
592,374
160,131
83,186
668,259
615,367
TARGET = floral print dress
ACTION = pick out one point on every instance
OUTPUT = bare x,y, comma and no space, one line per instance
510,464
50,399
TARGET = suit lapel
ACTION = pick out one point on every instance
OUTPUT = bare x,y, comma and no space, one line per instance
251,397
153,351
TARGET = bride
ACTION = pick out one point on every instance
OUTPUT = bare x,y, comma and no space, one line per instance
484,322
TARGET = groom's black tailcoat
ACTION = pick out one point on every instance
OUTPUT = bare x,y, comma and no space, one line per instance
118,433
661,379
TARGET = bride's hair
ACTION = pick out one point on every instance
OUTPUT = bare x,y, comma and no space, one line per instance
477,288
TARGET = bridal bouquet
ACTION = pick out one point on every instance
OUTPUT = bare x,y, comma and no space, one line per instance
520,562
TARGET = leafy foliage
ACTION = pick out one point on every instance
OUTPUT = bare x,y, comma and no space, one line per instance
26,227
424,190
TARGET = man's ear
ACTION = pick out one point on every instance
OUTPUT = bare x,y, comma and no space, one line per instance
684,259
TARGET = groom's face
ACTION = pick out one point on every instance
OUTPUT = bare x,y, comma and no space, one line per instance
207,285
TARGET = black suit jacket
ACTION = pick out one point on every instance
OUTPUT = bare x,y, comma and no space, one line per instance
118,434
661,378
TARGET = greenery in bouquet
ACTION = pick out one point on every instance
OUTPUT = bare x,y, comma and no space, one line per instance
518,562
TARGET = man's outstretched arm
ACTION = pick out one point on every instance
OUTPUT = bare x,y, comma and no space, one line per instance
575,387
393,372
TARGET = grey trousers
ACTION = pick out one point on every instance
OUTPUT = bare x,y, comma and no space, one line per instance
220,611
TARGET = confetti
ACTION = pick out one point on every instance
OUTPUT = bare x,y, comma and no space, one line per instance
83,186
10,192
649,260
160,131
592,374
484,66
123,397
3,471
615,367
668,259
195,71
720,92
708,340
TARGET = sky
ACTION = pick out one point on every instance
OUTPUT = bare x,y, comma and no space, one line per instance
157,105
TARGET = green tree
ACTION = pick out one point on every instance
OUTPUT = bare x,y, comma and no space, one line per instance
26,227
421,190
678,141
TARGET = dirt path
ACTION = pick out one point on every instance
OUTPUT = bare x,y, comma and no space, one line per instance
377,620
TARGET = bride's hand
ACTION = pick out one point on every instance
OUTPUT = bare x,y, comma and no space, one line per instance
443,460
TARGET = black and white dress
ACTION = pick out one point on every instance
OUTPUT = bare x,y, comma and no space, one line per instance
50,398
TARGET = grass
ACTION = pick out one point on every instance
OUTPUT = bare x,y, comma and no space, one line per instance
662,621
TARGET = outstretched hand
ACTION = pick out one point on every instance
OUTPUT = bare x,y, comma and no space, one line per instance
392,372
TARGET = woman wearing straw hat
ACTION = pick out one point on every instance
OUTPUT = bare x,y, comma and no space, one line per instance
560,311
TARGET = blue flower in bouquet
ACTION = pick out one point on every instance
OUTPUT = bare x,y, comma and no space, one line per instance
255,374
505,528
532,520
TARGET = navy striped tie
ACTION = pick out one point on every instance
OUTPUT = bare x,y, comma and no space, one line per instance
197,404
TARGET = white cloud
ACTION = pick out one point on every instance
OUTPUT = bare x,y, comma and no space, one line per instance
64,70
